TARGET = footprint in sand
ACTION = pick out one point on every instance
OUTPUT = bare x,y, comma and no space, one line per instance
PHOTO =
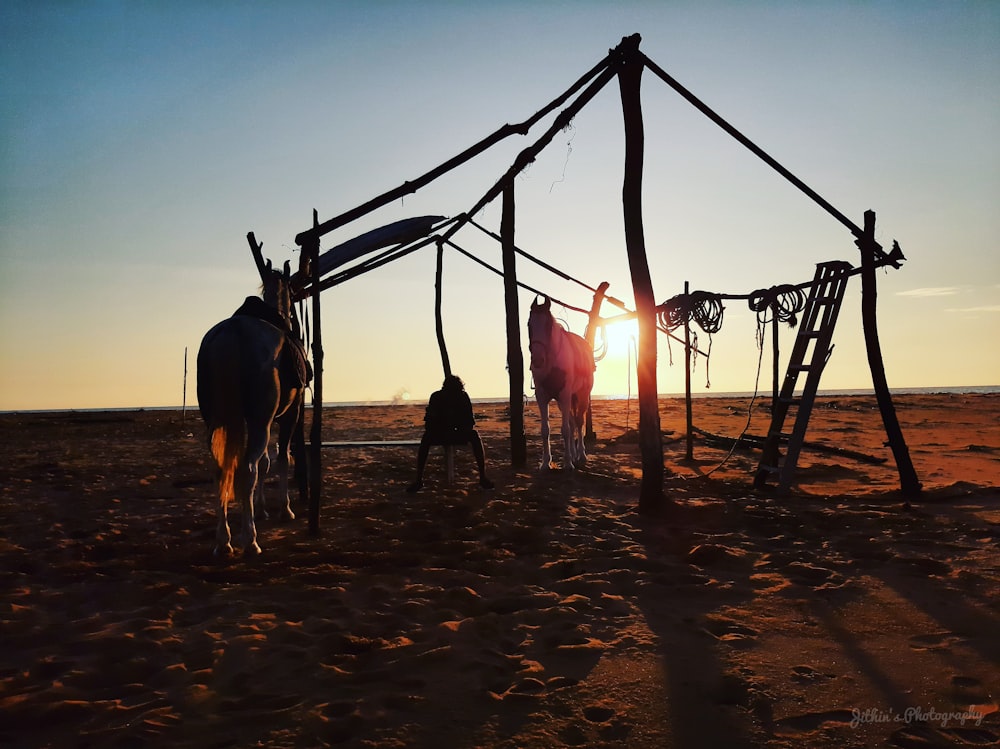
803,573
934,641
925,566
730,631
808,674
809,722
598,713
967,690
710,555
933,737
335,723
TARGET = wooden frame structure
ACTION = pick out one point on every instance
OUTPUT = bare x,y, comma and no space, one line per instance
626,63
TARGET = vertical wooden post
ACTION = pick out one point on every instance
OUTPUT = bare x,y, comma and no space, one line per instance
316,434
257,250
909,484
184,402
689,420
774,355
515,357
438,323
590,437
651,497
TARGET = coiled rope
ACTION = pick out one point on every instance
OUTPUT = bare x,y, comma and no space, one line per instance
705,309
786,301
701,307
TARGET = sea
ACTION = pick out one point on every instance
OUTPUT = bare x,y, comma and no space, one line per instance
961,390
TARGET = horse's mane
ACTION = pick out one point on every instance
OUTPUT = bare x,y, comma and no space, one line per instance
276,291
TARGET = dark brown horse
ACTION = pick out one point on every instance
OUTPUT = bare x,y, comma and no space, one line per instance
251,372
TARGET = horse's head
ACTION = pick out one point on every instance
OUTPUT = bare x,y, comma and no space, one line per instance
540,324
276,290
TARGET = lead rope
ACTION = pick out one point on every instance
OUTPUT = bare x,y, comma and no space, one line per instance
307,340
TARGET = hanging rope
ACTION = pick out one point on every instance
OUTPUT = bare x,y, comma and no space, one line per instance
705,309
306,335
786,301
736,442
702,307
600,343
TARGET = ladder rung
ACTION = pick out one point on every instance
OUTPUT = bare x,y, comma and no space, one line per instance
770,469
800,367
780,435
810,333
794,401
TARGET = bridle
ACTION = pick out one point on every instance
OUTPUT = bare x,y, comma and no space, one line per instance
539,342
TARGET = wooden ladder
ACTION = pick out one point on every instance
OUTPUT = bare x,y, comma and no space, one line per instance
810,353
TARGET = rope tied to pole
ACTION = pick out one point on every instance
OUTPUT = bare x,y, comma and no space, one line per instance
704,308
786,301
601,343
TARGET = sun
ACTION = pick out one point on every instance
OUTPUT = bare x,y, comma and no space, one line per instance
618,337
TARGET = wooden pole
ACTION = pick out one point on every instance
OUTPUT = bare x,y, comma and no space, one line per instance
689,419
774,355
515,357
909,484
316,435
651,498
763,156
411,186
528,155
184,397
257,251
438,323
590,437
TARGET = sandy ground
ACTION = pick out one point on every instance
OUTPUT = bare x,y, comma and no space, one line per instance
544,613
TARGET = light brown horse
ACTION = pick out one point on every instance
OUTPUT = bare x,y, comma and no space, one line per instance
562,366
251,372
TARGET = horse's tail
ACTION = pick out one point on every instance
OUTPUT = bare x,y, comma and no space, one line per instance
221,399
227,447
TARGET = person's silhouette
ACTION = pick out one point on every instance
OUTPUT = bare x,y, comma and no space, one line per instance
449,420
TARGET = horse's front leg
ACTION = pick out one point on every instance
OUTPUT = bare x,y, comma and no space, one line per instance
568,434
543,412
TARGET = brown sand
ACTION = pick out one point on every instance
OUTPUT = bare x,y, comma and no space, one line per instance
546,613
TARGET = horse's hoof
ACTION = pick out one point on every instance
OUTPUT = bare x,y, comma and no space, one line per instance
224,551
287,515
252,550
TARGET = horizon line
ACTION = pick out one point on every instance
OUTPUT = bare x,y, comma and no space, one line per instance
925,390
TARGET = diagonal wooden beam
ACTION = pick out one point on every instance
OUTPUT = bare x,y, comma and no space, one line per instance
489,141
701,106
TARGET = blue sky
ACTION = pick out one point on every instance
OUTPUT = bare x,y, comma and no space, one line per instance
140,142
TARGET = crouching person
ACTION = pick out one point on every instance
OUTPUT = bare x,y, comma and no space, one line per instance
449,421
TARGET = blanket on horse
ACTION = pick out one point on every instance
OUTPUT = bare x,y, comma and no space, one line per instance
293,365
